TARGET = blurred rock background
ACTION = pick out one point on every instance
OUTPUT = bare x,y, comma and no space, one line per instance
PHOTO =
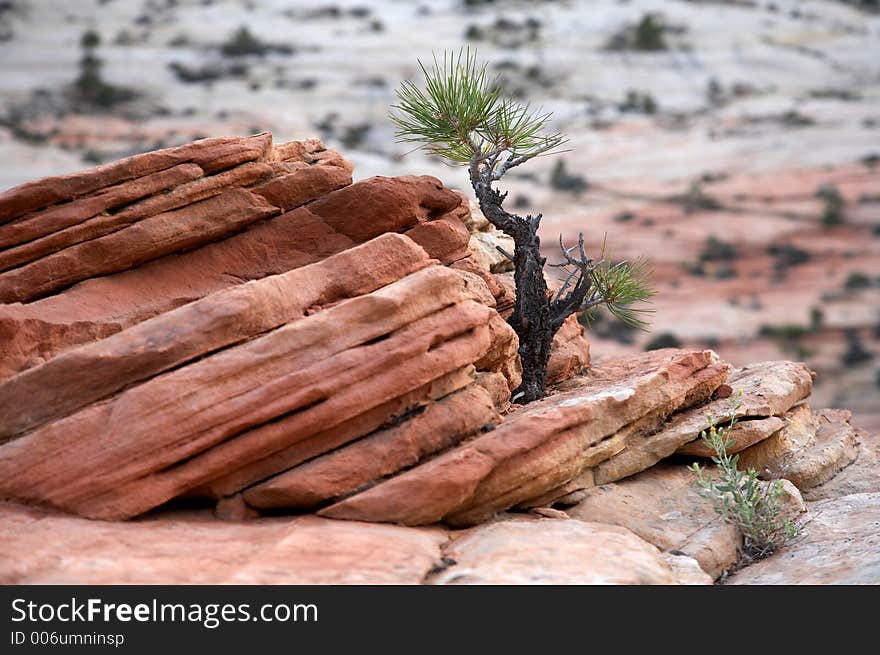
735,143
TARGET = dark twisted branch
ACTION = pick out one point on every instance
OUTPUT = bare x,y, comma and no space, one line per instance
536,316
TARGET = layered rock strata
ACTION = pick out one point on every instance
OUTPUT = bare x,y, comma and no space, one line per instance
89,254
235,320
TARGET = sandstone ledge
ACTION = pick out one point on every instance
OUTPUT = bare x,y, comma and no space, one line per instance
193,548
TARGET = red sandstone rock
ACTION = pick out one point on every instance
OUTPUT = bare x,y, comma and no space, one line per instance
151,238
503,356
468,265
233,508
210,154
292,190
538,448
571,351
56,218
360,379
117,458
306,184
103,305
242,476
366,461
384,204
445,238
87,374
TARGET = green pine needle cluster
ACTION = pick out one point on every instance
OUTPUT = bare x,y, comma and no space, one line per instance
462,114
739,497
622,285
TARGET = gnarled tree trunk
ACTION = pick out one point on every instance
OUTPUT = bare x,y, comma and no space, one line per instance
532,318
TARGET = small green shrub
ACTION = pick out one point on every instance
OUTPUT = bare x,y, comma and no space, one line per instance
663,340
739,497
788,331
857,280
243,43
695,199
717,250
833,205
786,255
649,34
817,319
562,180
855,352
89,87
355,135
474,33
638,102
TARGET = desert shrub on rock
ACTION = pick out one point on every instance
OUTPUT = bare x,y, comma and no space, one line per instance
739,497
90,88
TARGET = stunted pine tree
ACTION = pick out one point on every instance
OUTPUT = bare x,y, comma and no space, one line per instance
462,116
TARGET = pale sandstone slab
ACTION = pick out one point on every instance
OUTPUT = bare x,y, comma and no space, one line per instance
483,246
862,476
663,507
744,434
839,544
810,450
93,371
193,548
552,551
769,389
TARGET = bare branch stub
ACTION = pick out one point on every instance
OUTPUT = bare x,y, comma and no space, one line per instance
581,294
504,252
